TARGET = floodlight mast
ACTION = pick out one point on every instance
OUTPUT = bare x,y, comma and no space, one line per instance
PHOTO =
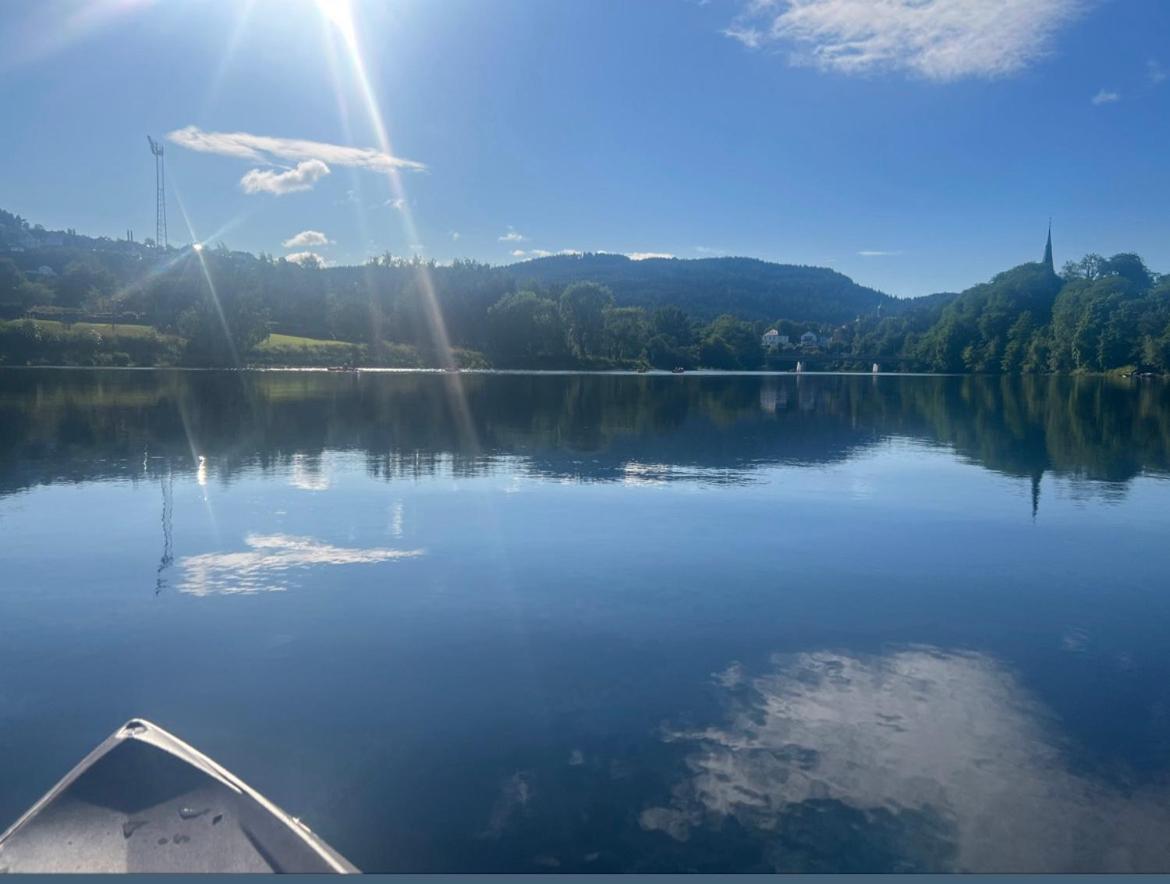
160,194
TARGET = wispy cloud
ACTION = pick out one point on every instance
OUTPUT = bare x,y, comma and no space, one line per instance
512,235
1155,71
270,149
530,253
455,236
1105,96
307,257
306,238
642,256
879,253
938,39
708,250
398,203
303,177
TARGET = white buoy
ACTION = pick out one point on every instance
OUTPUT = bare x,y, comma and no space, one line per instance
799,367
876,368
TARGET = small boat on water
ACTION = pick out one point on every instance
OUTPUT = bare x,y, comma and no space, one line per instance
145,801
678,369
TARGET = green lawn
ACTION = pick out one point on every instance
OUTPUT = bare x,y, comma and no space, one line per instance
293,342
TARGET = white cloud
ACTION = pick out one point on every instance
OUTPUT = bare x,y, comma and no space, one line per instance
752,38
454,236
306,238
266,566
268,149
878,253
512,235
1105,96
642,256
306,258
1155,71
530,253
303,177
398,203
937,39
708,250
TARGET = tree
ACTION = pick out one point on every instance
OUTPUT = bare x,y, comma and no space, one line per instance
626,333
731,343
1090,267
672,324
524,330
582,309
83,280
715,352
1131,268
222,337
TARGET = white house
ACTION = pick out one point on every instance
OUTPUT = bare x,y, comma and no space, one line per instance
808,339
771,339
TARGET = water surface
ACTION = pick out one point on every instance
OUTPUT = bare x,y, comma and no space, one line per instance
603,623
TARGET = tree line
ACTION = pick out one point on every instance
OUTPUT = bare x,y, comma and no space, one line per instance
126,303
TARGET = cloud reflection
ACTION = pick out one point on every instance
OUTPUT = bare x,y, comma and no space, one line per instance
947,746
266,566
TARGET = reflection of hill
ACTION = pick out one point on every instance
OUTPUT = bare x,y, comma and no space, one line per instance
83,425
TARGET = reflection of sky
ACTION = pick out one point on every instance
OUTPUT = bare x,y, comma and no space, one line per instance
950,737
265,566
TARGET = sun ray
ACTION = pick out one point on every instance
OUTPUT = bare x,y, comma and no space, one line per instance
197,248
339,15
243,18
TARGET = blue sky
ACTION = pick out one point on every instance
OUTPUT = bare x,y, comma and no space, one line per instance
916,145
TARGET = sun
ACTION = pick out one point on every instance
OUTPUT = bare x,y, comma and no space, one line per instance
339,13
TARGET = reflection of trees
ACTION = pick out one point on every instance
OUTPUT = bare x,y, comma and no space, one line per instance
63,425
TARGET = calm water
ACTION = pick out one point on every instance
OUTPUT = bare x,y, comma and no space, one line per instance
600,623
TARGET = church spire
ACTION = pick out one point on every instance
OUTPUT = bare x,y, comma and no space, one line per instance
1048,250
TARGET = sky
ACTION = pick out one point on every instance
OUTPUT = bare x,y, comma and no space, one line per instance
915,145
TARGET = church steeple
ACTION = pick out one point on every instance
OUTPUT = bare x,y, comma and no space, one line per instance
1048,250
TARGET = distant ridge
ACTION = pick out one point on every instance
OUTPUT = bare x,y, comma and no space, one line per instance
706,287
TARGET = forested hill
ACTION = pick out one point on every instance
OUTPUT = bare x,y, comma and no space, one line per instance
707,287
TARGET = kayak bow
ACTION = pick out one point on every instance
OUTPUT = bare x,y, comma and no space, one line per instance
145,801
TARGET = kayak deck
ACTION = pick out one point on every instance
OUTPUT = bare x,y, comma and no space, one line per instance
145,801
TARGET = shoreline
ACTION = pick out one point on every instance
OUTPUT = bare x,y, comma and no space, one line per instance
619,372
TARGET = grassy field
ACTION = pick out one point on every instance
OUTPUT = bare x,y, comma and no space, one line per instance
293,342
279,349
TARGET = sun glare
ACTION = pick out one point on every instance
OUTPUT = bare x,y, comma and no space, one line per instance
339,13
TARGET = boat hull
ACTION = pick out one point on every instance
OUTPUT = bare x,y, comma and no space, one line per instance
145,801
